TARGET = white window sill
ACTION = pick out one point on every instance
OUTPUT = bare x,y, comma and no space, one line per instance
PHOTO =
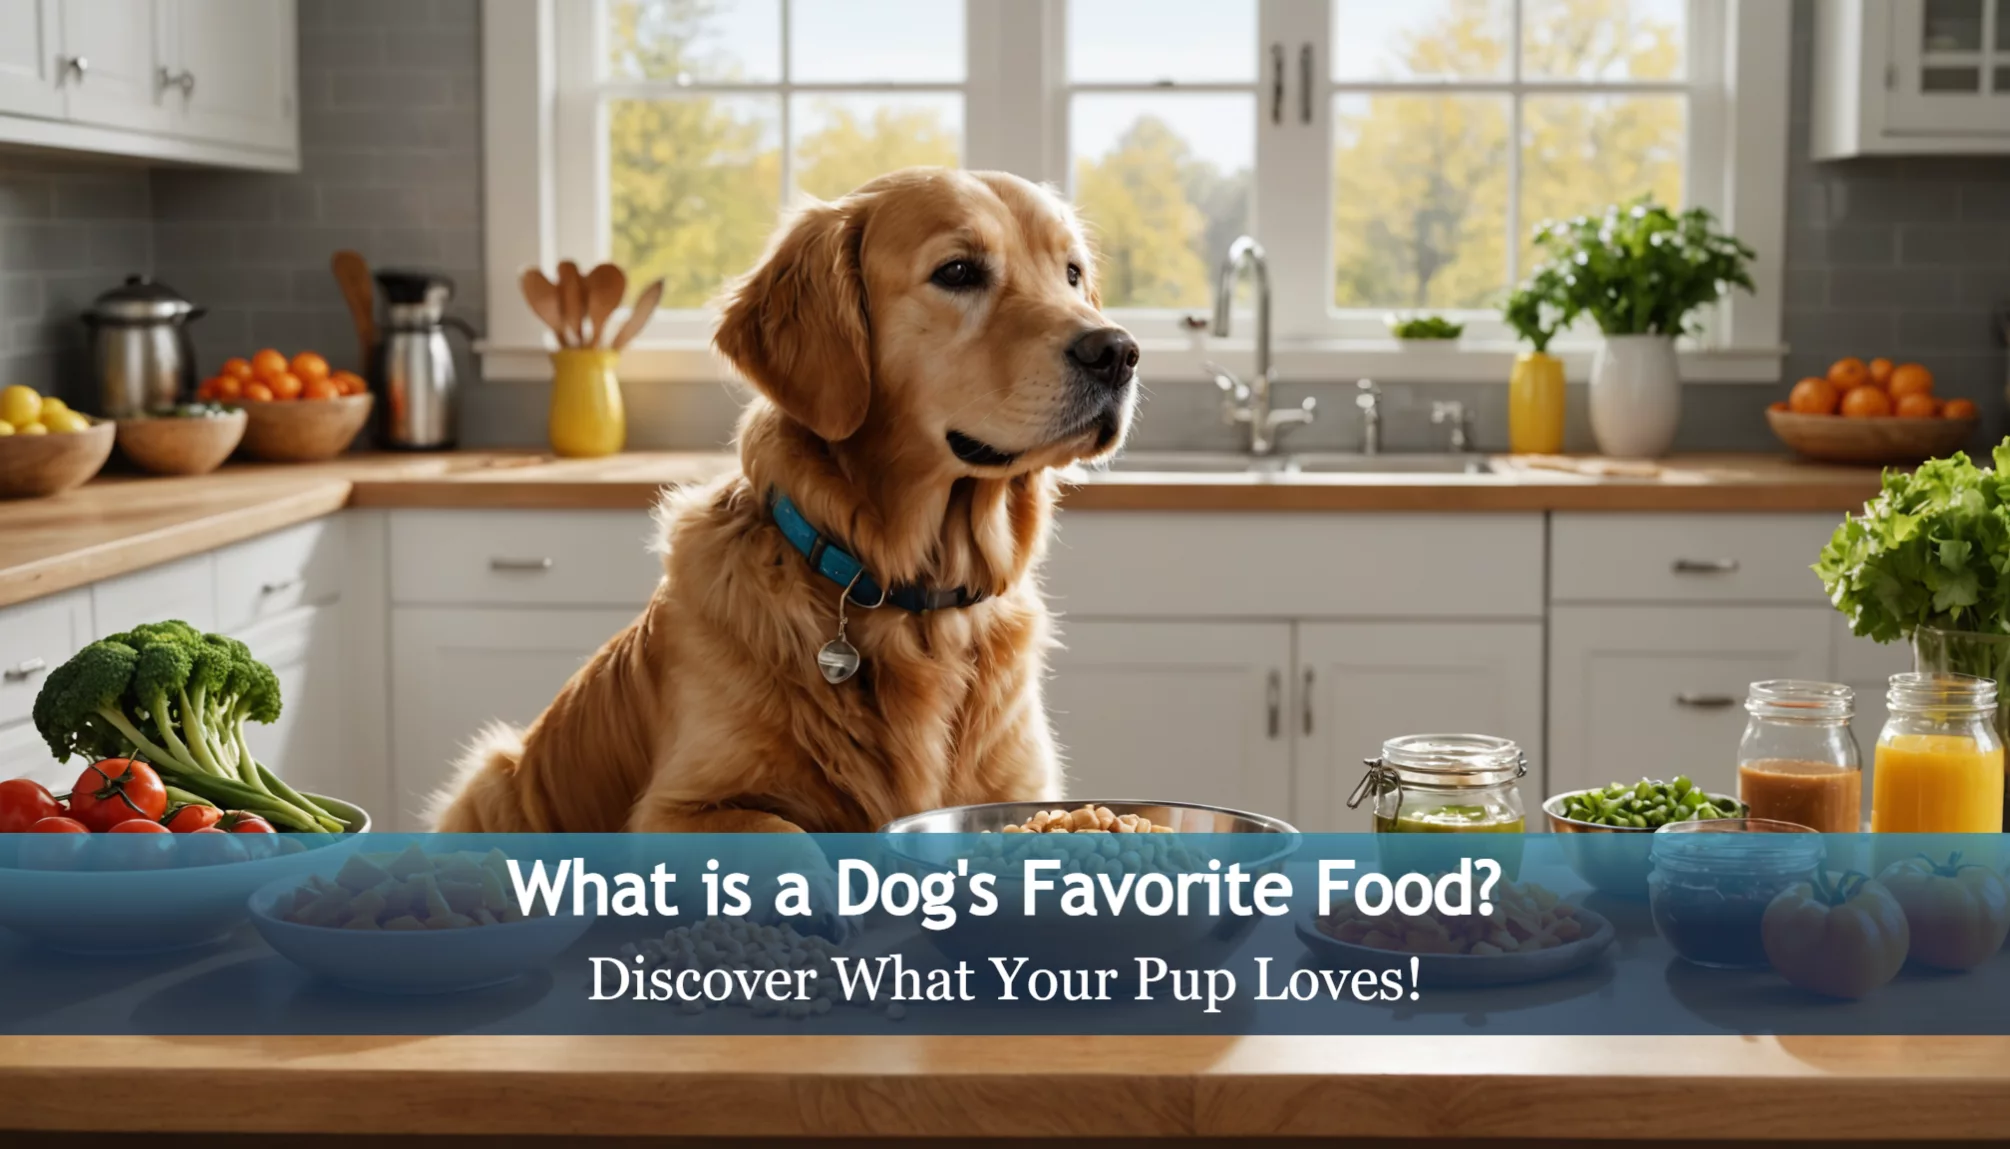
1173,361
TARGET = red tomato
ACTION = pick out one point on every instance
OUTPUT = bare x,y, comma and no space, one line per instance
117,789
239,822
59,826
208,830
191,819
139,826
24,803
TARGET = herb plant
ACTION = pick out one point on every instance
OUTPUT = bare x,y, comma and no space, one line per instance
1424,327
1640,269
1537,309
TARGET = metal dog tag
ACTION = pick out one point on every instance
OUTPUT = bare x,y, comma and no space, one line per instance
838,659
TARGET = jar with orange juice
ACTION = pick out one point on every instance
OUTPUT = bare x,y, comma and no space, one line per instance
1938,768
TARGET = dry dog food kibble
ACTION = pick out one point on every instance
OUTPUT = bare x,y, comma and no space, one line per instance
1089,819
409,891
736,944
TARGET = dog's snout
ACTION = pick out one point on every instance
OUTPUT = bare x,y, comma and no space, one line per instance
1107,355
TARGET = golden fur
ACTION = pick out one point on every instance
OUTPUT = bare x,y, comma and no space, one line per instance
708,713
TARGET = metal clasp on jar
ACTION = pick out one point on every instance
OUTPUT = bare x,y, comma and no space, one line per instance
1381,778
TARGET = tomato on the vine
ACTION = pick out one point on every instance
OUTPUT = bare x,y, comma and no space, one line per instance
59,825
239,822
23,803
192,818
139,826
116,790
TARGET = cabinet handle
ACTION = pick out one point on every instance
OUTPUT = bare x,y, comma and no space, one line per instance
279,587
1277,83
1705,701
1305,82
506,564
78,66
1706,566
21,671
1273,698
1305,702
184,80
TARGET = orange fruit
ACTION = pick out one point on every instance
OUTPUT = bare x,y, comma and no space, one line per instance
230,387
319,389
1911,379
285,385
348,382
1916,406
237,366
207,391
1958,409
1880,372
1812,396
1779,406
1848,373
258,393
268,364
1866,402
310,366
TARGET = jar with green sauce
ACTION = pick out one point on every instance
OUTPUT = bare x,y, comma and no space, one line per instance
1445,784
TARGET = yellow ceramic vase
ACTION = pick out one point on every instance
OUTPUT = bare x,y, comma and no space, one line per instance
587,420
1535,404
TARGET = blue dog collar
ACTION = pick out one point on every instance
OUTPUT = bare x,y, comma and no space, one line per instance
841,567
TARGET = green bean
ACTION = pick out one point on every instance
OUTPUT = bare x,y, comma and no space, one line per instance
1647,804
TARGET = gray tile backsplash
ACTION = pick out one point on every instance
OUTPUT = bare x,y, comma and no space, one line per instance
1905,257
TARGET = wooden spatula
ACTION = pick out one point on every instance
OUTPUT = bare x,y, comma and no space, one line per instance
571,303
605,285
542,295
352,275
638,316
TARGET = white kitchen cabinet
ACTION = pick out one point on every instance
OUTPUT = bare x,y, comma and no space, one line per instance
30,35
1359,683
1910,77
23,754
1177,711
455,670
1656,691
309,745
113,54
233,71
184,589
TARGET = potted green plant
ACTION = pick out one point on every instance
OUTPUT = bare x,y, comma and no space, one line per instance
1640,271
1420,330
1535,387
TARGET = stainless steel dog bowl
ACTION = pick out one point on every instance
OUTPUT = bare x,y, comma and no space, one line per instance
1184,818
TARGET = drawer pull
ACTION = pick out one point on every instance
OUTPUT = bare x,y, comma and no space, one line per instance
1273,700
280,587
21,671
1705,701
503,564
1706,566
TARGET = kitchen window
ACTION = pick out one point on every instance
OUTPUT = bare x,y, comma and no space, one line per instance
1391,157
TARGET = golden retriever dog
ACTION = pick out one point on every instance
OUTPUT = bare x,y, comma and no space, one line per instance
926,351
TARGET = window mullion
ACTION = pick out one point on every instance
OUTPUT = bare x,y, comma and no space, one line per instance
788,156
1513,222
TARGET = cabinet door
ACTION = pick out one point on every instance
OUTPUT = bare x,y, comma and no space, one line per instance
1660,691
309,745
1361,683
23,754
454,670
119,43
239,58
1950,68
1175,711
29,45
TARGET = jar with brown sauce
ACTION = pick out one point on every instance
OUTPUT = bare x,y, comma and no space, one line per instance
1798,761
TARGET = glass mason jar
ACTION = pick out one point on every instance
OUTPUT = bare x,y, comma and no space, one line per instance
1798,762
1968,652
1445,784
1939,761
1711,882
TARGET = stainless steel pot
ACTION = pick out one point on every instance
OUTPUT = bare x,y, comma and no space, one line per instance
141,354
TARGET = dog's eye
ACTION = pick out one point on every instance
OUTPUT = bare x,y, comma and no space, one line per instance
1074,275
958,275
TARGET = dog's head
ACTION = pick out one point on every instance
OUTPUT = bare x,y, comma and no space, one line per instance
953,311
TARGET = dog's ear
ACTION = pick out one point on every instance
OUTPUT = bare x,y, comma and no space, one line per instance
796,326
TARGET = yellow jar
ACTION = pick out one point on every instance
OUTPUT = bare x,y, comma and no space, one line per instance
1535,404
587,419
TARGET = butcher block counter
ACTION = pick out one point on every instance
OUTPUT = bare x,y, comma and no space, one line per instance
121,522
1597,1088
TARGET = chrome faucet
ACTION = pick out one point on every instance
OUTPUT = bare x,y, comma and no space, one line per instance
1369,400
1250,402
1454,412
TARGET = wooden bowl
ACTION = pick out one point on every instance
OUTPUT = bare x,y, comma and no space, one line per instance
32,466
303,430
1840,439
175,445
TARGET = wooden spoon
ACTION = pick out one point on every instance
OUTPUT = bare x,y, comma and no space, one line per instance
352,275
571,303
542,295
605,285
638,315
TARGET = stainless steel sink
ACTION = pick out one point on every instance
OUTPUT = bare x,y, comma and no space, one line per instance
1232,463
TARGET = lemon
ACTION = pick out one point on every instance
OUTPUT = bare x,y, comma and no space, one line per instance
64,422
32,429
6,428
51,403
20,405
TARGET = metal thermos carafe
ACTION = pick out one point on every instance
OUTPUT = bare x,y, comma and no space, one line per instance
141,355
414,369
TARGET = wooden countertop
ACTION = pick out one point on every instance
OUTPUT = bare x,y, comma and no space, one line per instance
123,522
1647,1088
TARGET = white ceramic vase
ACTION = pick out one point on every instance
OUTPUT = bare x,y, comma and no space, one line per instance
1636,395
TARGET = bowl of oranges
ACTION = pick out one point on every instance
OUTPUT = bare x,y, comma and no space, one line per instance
297,410
1875,412
46,448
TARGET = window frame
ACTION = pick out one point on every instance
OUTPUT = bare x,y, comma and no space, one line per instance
545,151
